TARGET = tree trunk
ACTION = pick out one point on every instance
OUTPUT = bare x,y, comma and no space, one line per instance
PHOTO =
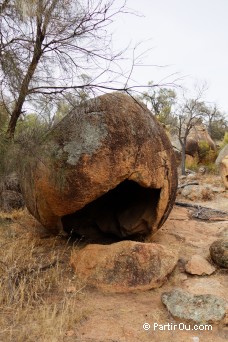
183,155
25,83
14,117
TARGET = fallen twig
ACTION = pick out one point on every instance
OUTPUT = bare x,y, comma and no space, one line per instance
199,206
205,213
186,184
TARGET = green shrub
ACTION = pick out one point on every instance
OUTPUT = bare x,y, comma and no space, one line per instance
204,150
206,154
212,169
192,164
25,147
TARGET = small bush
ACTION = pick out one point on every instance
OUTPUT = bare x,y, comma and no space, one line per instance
225,139
224,142
207,157
207,194
204,150
206,154
192,163
212,169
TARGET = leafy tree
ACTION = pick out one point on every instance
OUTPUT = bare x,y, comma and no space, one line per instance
216,121
188,114
160,101
45,45
218,128
180,115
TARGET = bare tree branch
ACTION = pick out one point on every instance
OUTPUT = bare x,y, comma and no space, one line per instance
45,45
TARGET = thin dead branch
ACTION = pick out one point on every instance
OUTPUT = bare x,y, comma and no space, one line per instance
186,184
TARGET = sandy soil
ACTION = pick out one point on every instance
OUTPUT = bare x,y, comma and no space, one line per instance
98,317
120,317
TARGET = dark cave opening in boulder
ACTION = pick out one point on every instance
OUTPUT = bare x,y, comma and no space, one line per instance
127,211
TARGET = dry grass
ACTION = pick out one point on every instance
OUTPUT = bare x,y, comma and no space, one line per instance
214,180
207,194
39,295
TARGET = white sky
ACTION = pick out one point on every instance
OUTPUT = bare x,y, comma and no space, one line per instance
190,37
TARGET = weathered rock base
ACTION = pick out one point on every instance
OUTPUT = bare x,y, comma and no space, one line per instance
125,266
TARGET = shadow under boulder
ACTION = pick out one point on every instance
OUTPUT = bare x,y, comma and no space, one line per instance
127,210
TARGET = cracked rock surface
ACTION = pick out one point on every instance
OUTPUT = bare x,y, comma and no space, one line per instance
198,308
107,168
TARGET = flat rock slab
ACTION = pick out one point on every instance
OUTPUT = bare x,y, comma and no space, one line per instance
214,285
219,252
198,308
199,266
197,192
125,266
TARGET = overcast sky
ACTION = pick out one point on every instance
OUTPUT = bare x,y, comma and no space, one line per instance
189,37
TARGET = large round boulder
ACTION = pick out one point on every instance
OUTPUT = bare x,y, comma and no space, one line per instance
223,169
106,168
197,134
222,154
222,163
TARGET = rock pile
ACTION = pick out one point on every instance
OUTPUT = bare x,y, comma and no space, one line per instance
10,193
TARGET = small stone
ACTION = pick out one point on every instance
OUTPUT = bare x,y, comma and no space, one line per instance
199,266
191,177
202,170
125,266
70,333
217,189
183,277
197,192
71,289
182,177
219,252
197,308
